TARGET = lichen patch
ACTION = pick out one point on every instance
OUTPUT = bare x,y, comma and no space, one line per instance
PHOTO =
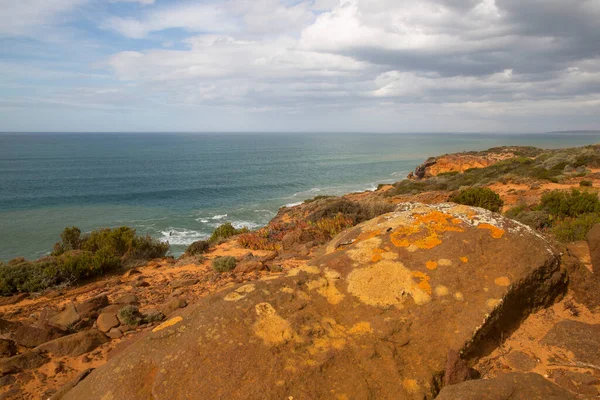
270,327
166,324
240,292
495,232
386,283
502,281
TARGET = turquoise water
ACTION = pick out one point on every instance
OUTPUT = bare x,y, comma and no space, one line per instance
179,187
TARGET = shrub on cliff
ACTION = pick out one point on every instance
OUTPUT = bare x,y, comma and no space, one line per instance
77,257
356,211
197,248
225,231
585,183
564,204
479,197
572,229
224,264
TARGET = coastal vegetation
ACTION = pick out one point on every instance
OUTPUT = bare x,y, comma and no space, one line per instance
224,264
77,257
225,231
479,197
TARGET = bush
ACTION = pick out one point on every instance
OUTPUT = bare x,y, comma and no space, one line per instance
197,248
585,183
564,204
329,227
78,257
225,231
572,229
479,197
224,264
130,315
353,210
535,219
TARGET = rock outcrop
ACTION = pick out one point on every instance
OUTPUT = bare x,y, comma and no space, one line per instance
358,322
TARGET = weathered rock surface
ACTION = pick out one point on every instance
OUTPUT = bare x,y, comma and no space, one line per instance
582,339
593,239
66,318
512,386
75,344
172,305
20,362
357,323
91,307
31,336
107,321
8,348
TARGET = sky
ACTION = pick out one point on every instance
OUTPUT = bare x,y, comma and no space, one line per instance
299,65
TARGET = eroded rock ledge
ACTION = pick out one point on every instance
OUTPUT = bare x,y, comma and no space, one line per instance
373,317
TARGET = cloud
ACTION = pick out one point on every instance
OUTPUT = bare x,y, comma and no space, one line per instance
142,2
24,17
417,64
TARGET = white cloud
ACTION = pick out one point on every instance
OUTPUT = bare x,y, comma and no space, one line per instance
142,2
24,17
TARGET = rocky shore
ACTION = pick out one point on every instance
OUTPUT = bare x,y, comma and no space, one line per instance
414,298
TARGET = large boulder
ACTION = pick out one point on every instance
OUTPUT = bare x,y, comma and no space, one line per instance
66,319
375,316
513,386
74,345
593,239
32,336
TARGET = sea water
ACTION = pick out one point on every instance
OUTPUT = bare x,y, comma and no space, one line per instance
178,187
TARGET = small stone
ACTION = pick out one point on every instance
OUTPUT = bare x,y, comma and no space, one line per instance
66,318
172,305
128,298
177,283
114,333
107,321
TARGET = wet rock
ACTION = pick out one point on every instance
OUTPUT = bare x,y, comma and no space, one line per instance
76,344
172,305
107,321
8,348
66,318
373,317
593,239
31,336
582,339
28,360
92,307
457,370
513,386
178,283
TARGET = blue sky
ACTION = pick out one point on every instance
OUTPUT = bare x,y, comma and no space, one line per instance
304,65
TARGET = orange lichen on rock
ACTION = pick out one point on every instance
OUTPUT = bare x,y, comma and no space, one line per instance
496,232
366,235
432,224
464,259
377,255
431,265
423,281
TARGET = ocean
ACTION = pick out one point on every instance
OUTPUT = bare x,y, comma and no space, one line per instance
178,187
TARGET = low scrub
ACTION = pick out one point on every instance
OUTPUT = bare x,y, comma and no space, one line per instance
585,183
225,231
478,197
197,248
355,211
569,204
224,264
572,229
331,226
77,257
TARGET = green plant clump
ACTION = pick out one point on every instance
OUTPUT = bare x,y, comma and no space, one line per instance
479,197
585,183
77,257
225,231
197,248
224,264
572,229
564,204
130,315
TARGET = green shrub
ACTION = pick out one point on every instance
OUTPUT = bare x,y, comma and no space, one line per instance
572,229
479,197
197,248
449,173
564,204
355,211
225,231
224,264
130,315
535,219
585,183
78,257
